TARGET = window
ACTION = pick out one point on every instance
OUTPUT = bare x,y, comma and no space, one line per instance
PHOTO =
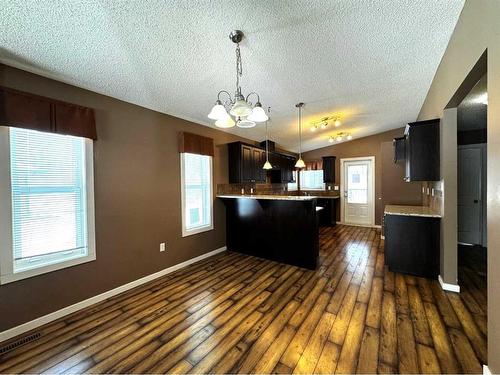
312,180
196,190
46,202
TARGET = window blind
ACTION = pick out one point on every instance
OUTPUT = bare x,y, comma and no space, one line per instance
197,185
48,198
311,179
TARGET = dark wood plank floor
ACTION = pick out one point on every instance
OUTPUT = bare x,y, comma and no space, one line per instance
238,314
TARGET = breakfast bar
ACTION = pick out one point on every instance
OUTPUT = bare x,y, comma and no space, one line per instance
283,228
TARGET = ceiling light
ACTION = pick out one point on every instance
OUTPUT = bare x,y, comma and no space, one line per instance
331,140
245,113
314,128
339,138
349,137
324,124
225,123
337,123
300,163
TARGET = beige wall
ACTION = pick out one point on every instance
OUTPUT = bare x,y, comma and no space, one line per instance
478,29
389,185
137,202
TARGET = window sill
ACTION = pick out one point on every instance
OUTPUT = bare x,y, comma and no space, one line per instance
190,232
9,278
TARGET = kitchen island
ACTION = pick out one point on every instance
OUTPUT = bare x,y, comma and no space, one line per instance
282,228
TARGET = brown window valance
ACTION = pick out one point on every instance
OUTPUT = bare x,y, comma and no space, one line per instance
314,165
195,144
24,110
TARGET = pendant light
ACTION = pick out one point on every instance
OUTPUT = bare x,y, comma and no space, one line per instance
267,165
300,163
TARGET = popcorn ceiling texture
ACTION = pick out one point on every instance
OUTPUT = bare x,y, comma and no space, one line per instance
372,60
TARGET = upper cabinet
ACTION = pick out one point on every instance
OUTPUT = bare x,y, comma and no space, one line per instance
421,150
246,162
329,169
399,149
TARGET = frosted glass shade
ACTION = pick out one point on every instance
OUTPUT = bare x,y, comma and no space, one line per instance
244,123
267,165
300,163
226,122
241,109
258,114
218,112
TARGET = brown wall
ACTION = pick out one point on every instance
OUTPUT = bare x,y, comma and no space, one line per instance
478,29
389,185
137,202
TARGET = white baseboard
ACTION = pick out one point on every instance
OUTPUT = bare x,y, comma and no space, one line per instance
486,370
18,330
449,287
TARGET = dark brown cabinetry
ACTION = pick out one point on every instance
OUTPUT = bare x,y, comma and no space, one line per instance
412,244
422,151
329,169
246,162
399,149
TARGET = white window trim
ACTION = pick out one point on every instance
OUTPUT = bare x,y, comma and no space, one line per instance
310,188
7,274
205,228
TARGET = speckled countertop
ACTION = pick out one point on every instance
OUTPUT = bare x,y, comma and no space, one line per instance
411,211
277,197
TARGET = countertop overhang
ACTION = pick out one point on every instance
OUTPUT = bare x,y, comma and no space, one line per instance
422,211
276,197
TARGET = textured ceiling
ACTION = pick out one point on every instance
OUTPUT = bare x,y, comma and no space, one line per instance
472,111
370,60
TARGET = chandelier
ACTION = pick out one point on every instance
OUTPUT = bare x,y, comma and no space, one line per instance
325,121
242,112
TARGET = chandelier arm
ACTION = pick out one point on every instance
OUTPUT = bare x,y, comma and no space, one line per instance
253,93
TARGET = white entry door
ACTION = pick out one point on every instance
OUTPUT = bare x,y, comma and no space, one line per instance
358,191
469,195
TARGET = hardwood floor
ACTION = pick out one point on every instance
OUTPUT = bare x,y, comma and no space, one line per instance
238,314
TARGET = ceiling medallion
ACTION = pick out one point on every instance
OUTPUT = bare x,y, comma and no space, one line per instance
325,122
339,137
242,112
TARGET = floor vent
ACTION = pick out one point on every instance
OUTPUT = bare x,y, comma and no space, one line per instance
15,344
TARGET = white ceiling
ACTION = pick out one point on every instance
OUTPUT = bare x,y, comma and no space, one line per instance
370,60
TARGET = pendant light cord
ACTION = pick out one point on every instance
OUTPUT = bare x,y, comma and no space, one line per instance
300,132
267,135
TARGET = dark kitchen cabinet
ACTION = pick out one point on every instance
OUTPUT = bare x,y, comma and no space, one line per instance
399,149
329,169
422,152
412,244
245,163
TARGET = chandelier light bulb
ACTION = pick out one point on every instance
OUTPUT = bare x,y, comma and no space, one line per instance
218,111
258,114
225,123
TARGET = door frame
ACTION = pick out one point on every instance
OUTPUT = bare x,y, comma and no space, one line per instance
371,181
483,187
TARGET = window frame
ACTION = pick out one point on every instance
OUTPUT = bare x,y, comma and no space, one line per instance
323,187
7,274
189,232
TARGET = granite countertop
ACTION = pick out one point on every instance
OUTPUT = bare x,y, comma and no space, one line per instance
422,211
271,197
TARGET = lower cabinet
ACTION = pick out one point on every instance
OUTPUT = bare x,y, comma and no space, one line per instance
412,244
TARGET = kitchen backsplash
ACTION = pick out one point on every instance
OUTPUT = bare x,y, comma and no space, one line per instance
434,201
270,189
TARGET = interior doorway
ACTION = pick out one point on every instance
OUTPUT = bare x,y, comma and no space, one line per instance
358,191
472,185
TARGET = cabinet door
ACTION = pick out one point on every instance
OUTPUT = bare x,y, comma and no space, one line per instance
247,164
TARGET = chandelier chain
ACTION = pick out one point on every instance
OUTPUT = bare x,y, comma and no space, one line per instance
239,68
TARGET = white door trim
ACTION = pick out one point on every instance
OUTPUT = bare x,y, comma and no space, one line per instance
342,174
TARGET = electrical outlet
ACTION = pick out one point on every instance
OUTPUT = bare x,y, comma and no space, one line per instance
163,247
336,187
428,191
432,191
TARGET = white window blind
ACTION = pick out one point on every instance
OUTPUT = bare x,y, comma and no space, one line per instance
196,193
48,187
312,179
